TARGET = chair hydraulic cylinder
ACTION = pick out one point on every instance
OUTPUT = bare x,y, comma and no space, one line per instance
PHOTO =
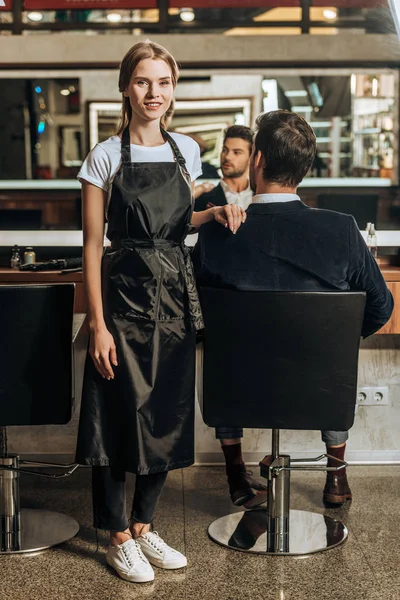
10,526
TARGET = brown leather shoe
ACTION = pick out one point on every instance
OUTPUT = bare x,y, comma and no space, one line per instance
242,486
336,490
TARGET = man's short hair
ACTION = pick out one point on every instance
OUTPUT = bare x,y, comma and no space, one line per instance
288,145
239,131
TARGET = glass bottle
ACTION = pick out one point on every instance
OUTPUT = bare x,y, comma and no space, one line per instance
15,257
29,256
372,241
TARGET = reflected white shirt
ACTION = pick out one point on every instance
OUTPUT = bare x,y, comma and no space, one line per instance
242,199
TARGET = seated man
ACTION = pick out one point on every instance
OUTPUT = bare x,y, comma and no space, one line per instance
234,187
286,246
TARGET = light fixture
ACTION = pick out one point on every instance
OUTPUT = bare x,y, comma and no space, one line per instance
35,16
65,92
187,15
38,89
114,17
72,89
330,14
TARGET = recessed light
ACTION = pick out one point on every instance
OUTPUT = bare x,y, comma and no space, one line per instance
330,14
187,15
114,17
35,16
65,92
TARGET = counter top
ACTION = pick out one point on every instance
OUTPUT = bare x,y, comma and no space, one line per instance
15,276
315,182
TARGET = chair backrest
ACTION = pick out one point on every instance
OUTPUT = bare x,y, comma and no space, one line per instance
36,354
281,360
363,207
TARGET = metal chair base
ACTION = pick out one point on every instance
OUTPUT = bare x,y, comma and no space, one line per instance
39,530
308,532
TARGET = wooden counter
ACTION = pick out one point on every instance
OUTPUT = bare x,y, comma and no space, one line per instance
392,278
13,277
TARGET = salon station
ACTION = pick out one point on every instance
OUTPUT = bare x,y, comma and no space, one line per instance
337,65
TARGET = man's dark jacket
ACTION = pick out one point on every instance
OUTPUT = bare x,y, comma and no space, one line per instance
287,246
215,196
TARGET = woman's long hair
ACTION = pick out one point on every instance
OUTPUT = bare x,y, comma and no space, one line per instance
132,58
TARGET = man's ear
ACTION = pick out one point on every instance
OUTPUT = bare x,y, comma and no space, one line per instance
259,160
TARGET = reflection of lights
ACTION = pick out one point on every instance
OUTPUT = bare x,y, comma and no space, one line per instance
187,15
394,6
65,92
353,82
41,127
330,14
35,16
72,89
38,146
38,89
42,106
114,17
239,119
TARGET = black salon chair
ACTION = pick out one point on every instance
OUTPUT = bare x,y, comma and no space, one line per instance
280,360
41,356
363,207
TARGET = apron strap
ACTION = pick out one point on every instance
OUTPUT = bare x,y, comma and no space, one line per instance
126,146
175,149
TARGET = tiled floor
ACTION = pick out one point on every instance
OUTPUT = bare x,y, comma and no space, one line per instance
367,567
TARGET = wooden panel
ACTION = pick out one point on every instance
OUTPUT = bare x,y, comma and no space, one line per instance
14,277
393,325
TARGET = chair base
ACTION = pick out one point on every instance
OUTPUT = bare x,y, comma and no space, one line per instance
308,532
42,529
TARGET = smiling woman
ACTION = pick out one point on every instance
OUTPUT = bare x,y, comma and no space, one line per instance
137,410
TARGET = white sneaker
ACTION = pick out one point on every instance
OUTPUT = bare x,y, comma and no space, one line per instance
159,553
129,562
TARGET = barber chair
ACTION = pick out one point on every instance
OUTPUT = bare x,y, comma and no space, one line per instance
41,340
280,360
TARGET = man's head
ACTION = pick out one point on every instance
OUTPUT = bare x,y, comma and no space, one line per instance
236,151
284,150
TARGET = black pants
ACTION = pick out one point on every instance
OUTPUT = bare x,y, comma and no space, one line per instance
109,500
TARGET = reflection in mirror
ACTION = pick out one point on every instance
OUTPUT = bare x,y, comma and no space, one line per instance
205,119
36,114
353,115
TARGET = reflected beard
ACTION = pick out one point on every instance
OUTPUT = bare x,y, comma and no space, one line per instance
233,174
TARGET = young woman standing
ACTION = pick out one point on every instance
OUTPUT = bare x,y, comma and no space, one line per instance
137,411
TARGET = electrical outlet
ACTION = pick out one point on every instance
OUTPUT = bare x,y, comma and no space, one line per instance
363,396
379,396
373,396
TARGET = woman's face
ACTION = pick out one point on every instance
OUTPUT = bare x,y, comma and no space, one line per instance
150,89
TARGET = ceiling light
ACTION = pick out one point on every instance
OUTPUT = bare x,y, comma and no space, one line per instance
65,92
114,17
35,16
187,15
330,14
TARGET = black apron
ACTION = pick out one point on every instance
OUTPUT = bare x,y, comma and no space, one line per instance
143,420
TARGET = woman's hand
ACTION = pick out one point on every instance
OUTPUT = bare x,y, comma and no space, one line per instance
230,215
103,352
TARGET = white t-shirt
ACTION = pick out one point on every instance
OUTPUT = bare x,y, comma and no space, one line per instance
103,162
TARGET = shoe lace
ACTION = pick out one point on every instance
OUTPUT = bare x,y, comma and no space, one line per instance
156,542
133,552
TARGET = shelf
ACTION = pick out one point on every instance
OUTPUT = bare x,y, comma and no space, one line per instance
324,140
373,130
